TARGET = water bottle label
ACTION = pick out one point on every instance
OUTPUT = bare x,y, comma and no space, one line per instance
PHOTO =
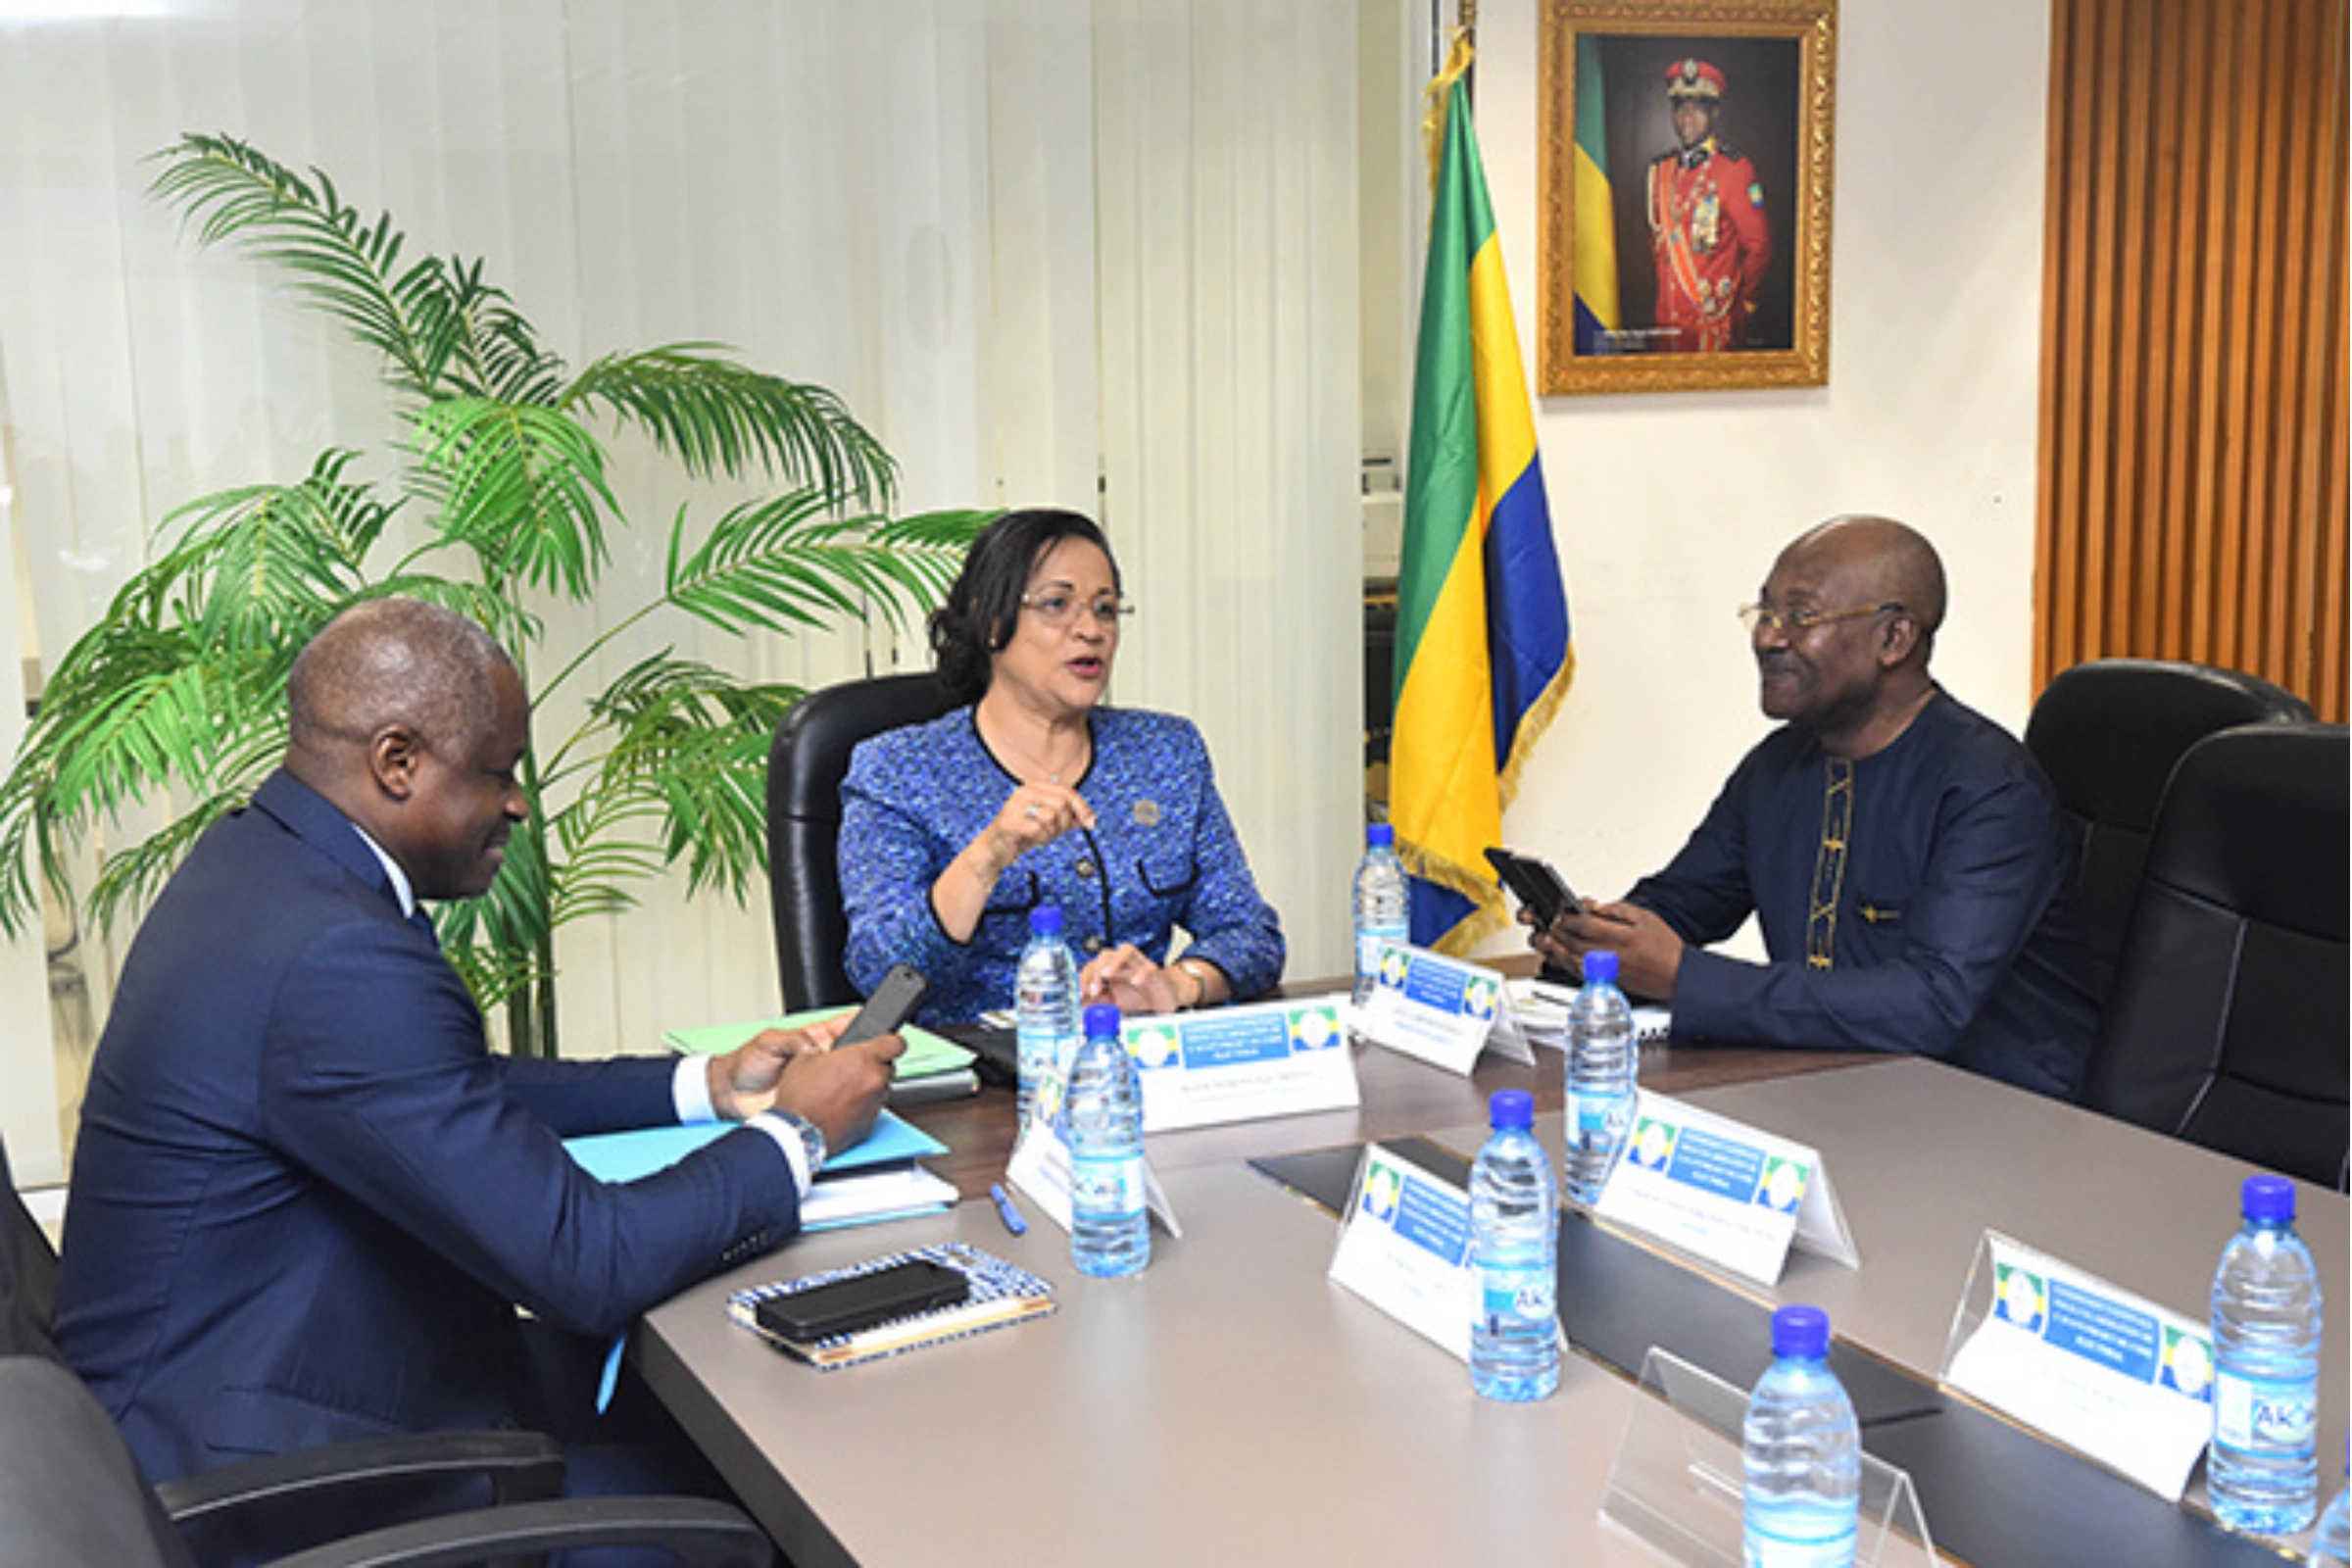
1815,1537
1037,1055
2275,1416
1368,943
1106,1184
1598,1114
1526,1293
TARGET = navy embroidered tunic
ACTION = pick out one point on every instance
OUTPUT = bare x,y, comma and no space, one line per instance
1162,855
1941,921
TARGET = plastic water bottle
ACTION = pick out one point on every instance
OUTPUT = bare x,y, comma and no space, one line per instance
2331,1541
2262,1473
1514,1241
1045,1008
1602,1063
1111,1230
1802,1453
1381,910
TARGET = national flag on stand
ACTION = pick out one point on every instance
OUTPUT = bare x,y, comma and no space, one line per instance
1483,657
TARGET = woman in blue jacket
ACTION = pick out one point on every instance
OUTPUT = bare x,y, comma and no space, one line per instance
1038,792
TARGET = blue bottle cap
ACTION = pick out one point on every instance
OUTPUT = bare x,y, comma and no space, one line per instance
1380,835
1602,966
1801,1331
1046,920
1102,1018
2270,1199
1511,1107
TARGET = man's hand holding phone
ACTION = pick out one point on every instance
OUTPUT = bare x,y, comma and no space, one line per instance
835,1073
1649,956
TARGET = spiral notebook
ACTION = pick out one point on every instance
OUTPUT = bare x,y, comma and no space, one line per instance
1541,1008
1002,1293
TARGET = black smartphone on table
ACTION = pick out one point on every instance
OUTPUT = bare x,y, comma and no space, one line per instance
1534,883
887,1010
862,1301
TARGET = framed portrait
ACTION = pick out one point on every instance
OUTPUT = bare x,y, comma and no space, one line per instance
1684,220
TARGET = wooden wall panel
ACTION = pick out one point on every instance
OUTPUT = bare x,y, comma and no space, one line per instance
2194,381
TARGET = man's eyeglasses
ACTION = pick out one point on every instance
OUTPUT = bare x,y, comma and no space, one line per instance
1790,622
1056,609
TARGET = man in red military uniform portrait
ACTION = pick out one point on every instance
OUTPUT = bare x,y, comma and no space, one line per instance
1707,227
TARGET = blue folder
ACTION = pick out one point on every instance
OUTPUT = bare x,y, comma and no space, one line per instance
626,1157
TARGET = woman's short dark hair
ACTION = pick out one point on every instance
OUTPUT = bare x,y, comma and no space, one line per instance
977,619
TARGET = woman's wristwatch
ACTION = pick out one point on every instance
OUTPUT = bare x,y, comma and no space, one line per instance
1195,967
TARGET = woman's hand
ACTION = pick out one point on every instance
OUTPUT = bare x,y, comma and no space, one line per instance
1132,983
1033,814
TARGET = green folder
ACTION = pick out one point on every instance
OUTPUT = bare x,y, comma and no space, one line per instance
927,1055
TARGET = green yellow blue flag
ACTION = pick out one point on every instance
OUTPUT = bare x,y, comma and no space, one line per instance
1596,317
1482,656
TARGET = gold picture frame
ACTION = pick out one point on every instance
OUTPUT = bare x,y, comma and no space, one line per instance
1713,282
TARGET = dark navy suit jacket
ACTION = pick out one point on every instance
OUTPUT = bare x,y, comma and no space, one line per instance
1952,930
307,1200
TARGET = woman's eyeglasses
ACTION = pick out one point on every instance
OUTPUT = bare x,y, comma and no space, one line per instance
1057,610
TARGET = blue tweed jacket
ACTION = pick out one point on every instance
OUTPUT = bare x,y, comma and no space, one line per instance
1162,853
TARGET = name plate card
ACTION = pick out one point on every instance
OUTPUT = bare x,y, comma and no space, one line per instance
1239,1063
1041,1167
2095,1367
1439,1010
1404,1248
1725,1192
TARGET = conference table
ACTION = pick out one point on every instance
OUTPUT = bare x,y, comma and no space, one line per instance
1233,1404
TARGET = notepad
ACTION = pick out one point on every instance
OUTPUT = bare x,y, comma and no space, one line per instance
1541,1008
1002,1293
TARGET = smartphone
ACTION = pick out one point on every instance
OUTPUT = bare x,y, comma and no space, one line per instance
844,1306
890,1007
1535,884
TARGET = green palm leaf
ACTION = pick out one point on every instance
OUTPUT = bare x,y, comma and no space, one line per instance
775,564
337,259
522,486
263,567
717,417
689,750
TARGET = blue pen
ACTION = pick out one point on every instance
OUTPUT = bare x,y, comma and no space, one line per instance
1010,1215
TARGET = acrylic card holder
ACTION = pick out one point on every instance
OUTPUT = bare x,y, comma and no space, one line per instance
1676,1485
2071,1357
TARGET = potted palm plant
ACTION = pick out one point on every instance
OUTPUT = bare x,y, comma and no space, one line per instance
502,511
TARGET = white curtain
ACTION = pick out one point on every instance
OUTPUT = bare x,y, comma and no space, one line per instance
1090,253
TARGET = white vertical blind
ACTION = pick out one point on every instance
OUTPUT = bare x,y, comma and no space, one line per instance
1225,132
1039,246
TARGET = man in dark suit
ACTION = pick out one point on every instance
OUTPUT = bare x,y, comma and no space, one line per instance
307,1200
1902,854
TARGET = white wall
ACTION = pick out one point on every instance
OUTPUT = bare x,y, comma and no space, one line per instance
1669,508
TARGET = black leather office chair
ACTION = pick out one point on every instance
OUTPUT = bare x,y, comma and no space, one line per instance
70,1493
28,1275
2229,1018
2108,733
804,767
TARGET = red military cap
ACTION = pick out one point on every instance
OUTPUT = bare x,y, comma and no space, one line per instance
1693,78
